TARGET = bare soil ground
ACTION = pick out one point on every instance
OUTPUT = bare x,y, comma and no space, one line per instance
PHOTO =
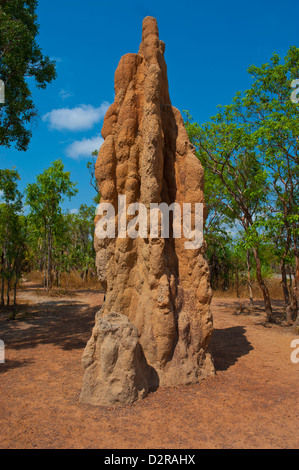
252,402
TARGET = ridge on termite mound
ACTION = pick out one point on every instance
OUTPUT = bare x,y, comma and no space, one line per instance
159,285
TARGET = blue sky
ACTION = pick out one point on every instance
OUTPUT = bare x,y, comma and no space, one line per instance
209,46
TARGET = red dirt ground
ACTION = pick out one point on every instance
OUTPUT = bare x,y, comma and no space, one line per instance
252,402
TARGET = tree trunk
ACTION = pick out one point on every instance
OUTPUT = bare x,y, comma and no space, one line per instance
285,289
45,278
7,293
263,287
14,300
295,303
3,281
45,274
296,280
249,278
45,266
56,276
50,261
15,293
290,287
2,292
237,282
49,264
296,273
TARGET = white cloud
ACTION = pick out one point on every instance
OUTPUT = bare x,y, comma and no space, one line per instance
84,147
64,94
74,211
80,118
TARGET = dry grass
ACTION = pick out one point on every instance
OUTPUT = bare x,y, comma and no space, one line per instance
273,284
73,281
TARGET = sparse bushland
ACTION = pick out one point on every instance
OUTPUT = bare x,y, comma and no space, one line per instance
55,247
250,154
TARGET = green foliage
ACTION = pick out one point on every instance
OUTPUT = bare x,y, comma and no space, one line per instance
93,182
58,242
249,151
275,131
44,199
73,247
13,232
46,239
20,60
46,195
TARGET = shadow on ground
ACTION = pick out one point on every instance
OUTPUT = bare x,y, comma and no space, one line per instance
228,345
9,365
258,310
67,324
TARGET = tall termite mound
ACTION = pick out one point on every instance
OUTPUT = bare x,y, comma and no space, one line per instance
157,291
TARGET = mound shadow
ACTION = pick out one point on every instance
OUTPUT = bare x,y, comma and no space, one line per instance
228,345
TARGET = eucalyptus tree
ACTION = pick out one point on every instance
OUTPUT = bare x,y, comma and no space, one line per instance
91,166
227,151
44,197
12,234
251,147
274,116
